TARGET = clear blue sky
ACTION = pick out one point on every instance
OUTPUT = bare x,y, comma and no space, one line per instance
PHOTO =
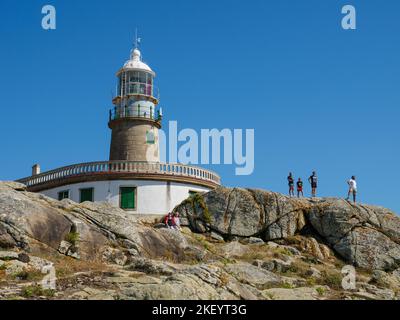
317,96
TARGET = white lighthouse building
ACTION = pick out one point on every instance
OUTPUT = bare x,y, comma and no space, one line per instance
133,179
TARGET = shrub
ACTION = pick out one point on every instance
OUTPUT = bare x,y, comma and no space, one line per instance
72,237
320,291
197,201
311,282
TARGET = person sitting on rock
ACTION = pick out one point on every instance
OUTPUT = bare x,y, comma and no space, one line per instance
291,184
352,188
169,220
177,221
299,188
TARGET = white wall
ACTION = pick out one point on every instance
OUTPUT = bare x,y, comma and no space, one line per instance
153,197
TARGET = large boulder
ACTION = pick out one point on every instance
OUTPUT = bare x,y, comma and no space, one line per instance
87,231
245,213
366,236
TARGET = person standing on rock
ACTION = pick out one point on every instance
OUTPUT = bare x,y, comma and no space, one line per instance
352,188
313,181
291,184
299,188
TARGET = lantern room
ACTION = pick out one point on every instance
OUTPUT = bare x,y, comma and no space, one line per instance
136,94
136,78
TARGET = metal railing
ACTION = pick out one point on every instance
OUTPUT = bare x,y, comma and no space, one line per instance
104,167
134,112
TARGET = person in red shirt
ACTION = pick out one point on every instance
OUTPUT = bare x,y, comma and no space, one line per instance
169,220
299,188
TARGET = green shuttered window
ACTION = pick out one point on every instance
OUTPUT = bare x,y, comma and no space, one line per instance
127,197
86,194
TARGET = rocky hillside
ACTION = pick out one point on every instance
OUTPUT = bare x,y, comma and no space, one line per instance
365,236
237,244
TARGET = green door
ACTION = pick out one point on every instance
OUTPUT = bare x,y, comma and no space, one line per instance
127,195
86,195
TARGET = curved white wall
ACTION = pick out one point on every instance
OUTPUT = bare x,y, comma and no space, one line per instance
153,197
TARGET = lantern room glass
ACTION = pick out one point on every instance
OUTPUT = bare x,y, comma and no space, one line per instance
136,82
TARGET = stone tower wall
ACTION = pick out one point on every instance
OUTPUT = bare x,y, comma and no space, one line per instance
129,140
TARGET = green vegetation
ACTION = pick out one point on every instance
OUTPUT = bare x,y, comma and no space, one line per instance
225,261
72,237
270,296
197,201
36,291
331,279
320,291
28,275
287,285
206,245
311,282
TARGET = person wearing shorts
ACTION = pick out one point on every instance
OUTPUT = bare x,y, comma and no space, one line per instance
299,188
291,184
313,181
352,188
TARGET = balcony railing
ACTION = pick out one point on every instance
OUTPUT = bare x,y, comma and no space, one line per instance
134,112
110,167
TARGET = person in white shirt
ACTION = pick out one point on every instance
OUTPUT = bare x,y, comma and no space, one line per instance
352,188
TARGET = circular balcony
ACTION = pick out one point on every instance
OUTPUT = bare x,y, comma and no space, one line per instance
121,170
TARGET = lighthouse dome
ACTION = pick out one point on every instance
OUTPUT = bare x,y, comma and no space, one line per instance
135,62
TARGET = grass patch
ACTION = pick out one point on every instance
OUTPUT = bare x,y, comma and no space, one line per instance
270,296
253,255
72,237
204,243
287,285
66,266
28,275
331,279
311,282
37,291
298,268
225,261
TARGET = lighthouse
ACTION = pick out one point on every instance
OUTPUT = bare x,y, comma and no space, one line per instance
133,178
135,118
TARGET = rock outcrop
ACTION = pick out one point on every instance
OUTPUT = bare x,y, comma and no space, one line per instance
240,244
31,221
366,236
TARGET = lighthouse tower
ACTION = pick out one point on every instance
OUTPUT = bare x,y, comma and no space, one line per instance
133,178
135,118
